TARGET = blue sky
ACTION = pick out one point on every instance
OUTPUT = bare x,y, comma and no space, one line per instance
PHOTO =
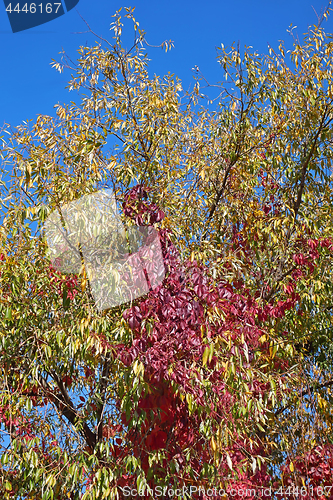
29,86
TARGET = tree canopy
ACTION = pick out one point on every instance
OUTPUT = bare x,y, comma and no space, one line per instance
217,382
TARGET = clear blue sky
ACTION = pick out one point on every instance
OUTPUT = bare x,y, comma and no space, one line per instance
29,86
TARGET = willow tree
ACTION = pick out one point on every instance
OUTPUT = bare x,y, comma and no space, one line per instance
220,375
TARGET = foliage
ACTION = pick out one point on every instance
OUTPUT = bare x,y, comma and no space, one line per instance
221,376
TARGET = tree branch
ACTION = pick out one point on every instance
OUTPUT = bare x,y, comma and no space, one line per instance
103,386
306,392
279,278
297,202
65,406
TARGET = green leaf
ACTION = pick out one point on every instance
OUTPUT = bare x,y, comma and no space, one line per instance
8,314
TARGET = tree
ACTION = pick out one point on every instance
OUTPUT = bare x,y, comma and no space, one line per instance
220,376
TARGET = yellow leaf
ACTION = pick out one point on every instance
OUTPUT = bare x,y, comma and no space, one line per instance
211,352
213,443
8,486
291,467
138,368
229,462
205,356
